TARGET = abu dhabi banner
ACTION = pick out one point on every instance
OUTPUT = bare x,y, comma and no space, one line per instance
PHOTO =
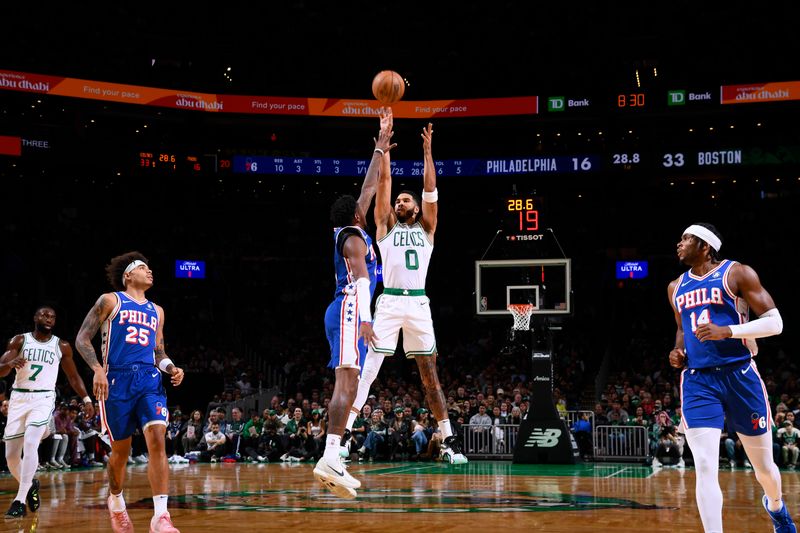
760,92
263,105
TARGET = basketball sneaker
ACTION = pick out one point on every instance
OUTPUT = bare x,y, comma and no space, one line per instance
162,524
17,510
781,521
336,479
120,521
33,496
451,451
344,451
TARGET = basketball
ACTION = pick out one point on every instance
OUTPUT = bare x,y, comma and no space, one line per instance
388,86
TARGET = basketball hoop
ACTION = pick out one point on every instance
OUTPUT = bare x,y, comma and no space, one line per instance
522,316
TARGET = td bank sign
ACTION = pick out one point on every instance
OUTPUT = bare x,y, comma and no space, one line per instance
680,97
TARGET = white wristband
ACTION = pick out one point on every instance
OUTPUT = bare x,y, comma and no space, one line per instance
379,151
164,363
86,399
430,197
363,299
768,324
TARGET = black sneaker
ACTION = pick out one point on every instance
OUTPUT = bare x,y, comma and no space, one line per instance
33,496
450,451
17,510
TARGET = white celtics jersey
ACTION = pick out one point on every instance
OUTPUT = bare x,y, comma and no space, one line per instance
41,369
405,256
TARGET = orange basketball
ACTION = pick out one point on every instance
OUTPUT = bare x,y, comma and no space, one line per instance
388,86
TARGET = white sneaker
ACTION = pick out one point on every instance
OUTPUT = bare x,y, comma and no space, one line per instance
54,464
747,464
656,463
681,463
285,457
732,464
262,459
338,481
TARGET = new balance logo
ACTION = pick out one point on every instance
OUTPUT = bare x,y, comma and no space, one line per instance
544,438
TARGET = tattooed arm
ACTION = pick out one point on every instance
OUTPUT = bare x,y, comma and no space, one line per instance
175,372
83,342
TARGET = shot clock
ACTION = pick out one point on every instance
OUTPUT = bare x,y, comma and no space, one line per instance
523,218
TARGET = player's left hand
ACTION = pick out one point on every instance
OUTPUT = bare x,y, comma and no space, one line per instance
712,332
19,362
366,331
176,376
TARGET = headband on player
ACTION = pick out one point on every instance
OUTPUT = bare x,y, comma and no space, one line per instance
130,267
705,234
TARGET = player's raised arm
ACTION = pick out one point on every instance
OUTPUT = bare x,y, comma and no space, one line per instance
384,214
382,145
12,358
69,368
677,356
430,196
163,362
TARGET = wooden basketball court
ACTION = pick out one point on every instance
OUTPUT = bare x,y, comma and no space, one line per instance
483,496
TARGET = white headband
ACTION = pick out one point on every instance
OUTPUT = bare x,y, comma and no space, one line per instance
705,234
130,267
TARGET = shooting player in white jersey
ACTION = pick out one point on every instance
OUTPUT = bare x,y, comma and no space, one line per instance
405,237
36,357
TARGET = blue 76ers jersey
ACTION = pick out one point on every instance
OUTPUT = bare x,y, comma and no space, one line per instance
700,300
129,333
344,276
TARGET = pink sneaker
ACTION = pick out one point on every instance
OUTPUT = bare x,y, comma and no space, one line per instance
162,524
120,522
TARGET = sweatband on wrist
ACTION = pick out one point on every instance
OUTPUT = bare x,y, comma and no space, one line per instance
430,196
705,234
768,324
86,399
379,151
164,363
363,299
130,267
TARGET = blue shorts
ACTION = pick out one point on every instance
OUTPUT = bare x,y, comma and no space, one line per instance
348,350
136,398
735,391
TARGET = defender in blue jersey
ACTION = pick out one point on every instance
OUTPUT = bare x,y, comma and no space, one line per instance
348,319
128,382
715,345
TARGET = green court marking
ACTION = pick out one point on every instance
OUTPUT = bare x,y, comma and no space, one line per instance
498,468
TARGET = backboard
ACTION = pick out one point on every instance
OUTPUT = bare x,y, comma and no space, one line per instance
545,283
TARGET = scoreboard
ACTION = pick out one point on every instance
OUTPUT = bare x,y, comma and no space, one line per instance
665,160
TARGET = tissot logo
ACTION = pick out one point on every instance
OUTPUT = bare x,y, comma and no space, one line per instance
543,438
541,355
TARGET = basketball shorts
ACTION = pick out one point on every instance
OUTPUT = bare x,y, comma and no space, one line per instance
28,409
412,314
735,392
348,350
136,398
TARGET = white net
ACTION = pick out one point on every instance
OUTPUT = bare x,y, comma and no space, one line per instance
522,316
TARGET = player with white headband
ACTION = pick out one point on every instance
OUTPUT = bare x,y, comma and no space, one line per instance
128,382
715,345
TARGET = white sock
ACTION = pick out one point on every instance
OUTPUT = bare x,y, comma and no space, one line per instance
160,504
351,418
332,445
116,502
444,427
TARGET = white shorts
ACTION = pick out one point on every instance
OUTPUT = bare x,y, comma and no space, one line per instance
28,409
412,314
